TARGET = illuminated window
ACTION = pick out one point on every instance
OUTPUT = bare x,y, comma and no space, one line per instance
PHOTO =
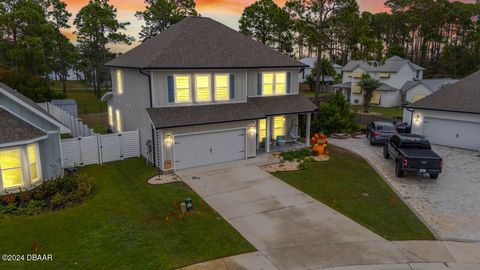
202,86
110,115
119,121
280,83
11,168
119,81
278,126
262,129
182,88
221,87
33,162
267,84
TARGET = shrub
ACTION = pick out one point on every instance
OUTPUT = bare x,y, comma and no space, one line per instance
335,116
305,164
51,195
296,155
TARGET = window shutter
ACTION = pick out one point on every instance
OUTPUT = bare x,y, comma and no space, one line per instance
232,86
259,84
288,82
171,90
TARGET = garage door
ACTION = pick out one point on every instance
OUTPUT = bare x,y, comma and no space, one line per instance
209,148
452,133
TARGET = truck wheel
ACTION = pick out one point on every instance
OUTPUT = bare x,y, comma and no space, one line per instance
386,155
398,169
433,175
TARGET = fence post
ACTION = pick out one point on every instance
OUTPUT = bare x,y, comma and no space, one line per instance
99,143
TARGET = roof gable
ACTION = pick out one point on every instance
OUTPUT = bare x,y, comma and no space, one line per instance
32,106
462,96
199,42
14,130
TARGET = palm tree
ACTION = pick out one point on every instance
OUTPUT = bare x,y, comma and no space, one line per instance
368,85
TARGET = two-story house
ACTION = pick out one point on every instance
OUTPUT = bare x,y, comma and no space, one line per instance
201,93
393,75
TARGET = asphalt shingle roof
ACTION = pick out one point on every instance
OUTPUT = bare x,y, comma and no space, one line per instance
14,129
463,96
392,64
431,84
199,42
254,108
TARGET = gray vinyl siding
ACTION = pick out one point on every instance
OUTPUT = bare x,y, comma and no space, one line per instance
253,80
168,150
132,104
50,156
160,91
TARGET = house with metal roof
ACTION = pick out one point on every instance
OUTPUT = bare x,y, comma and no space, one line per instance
449,116
29,143
393,74
202,93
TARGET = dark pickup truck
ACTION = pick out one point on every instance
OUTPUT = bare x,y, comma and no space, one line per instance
412,154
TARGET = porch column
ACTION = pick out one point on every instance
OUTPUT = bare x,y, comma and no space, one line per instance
307,132
267,134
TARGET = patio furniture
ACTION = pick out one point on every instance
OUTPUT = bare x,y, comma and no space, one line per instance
281,141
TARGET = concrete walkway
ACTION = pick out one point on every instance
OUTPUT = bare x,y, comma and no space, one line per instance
289,228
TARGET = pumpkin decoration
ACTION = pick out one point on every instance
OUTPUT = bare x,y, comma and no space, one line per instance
319,144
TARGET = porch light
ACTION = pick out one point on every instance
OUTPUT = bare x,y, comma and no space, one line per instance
417,119
252,130
168,139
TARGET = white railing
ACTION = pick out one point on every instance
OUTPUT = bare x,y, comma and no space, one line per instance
77,127
99,149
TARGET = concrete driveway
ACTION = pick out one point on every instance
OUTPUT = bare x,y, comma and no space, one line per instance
450,204
290,228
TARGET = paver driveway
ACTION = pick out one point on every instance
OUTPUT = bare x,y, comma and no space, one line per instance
450,204
290,228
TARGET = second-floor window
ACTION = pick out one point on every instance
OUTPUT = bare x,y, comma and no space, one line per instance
274,83
182,89
202,88
221,87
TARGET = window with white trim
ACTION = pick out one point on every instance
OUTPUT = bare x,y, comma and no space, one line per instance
274,83
202,88
221,87
119,81
11,168
182,89
278,126
33,162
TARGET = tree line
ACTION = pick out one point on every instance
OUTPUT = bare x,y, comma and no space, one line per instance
440,35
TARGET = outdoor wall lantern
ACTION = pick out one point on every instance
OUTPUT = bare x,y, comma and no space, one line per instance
418,119
168,139
252,130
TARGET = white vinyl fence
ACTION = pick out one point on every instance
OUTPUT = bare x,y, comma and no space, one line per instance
99,149
77,127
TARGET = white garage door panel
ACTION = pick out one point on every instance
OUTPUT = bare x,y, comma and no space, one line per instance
209,148
452,133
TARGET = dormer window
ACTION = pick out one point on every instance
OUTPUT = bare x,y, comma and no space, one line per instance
182,89
202,88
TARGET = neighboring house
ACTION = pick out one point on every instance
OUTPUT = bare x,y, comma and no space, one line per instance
413,91
393,75
201,93
450,116
29,143
310,63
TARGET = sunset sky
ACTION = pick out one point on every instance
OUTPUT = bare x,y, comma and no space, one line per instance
227,12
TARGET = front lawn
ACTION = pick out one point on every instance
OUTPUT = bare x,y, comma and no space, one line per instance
96,121
125,224
348,184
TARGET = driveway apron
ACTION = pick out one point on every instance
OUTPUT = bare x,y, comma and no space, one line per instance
290,228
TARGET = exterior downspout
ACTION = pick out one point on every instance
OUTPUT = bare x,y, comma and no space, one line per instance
151,106
411,116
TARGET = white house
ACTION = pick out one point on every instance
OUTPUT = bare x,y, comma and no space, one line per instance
393,75
413,91
310,65
450,116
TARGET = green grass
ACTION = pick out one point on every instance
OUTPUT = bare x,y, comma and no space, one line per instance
71,85
96,121
311,94
385,112
125,224
87,101
348,184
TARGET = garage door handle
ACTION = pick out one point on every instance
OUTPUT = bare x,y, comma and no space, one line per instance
177,161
